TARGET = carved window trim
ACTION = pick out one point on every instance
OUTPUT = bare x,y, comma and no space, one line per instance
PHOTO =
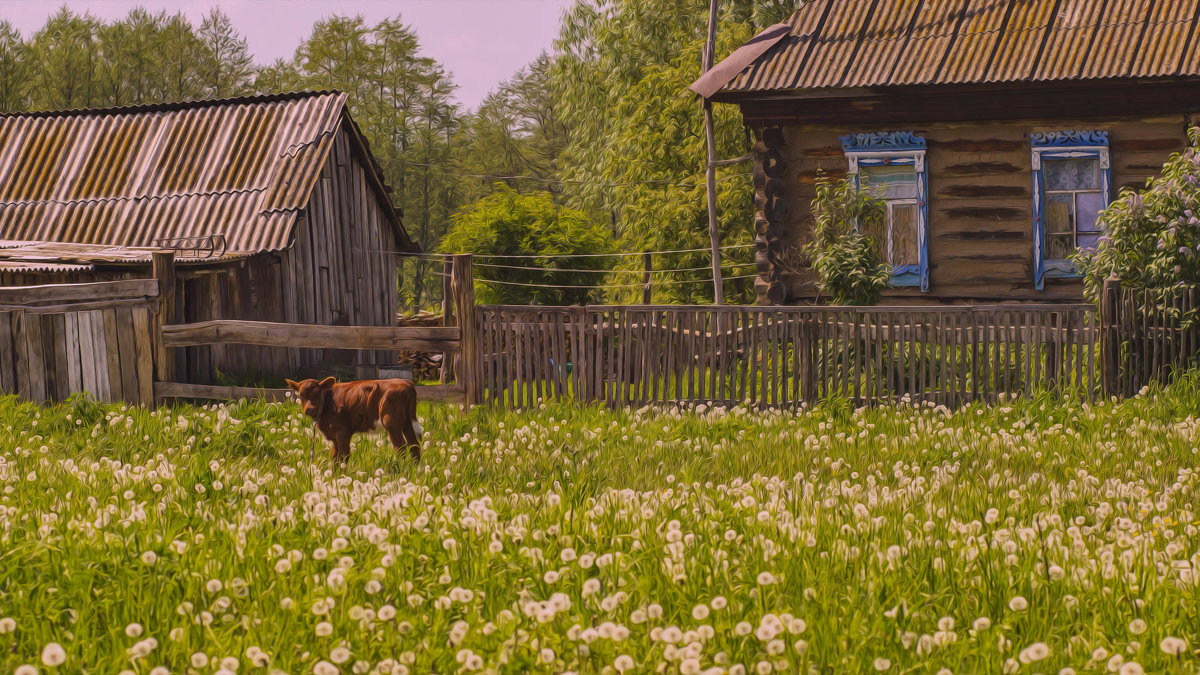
897,148
1070,144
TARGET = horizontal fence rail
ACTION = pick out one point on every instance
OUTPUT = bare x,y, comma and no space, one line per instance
270,334
433,393
784,356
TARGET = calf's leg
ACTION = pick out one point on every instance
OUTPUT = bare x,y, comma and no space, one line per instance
397,415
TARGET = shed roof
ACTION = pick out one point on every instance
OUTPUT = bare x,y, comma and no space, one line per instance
242,167
832,44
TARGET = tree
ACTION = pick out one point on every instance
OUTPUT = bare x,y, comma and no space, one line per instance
508,223
14,70
516,131
182,55
227,68
64,59
637,151
1151,237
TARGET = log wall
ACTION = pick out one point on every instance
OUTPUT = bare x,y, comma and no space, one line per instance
981,201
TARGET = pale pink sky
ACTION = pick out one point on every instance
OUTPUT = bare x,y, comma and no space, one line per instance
482,42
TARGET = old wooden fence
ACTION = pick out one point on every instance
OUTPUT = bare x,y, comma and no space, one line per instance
91,337
1148,336
784,356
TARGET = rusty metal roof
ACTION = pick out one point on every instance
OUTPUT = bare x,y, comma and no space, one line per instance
243,168
870,43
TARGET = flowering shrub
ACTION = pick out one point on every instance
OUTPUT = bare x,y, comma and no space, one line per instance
844,250
1030,536
1151,237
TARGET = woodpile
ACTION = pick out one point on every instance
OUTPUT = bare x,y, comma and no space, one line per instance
425,365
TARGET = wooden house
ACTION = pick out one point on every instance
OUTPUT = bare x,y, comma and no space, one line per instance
996,130
274,207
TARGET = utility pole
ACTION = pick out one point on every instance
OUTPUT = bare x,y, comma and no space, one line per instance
710,172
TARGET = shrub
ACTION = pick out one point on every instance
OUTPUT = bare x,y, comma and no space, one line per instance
508,223
1152,236
844,251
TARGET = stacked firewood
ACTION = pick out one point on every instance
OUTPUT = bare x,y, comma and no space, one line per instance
425,365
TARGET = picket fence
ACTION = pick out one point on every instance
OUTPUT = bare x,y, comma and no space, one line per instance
784,356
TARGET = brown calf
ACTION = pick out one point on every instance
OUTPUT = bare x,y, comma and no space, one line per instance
342,410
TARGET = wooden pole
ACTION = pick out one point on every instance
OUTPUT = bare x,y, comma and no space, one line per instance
163,267
448,319
710,171
647,266
1110,361
462,285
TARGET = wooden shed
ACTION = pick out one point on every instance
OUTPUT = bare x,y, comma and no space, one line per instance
274,206
997,130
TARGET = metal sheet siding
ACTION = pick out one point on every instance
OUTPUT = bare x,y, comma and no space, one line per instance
243,168
870,43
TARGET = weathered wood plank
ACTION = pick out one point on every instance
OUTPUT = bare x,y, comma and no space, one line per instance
433,393
271,334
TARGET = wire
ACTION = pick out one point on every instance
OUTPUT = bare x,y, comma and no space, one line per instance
580,286
610,255
564,181
638,272
443,256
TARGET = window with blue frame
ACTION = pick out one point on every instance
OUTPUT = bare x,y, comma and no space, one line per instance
891,165
1072,184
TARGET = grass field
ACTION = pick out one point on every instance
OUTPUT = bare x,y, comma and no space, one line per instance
1040,536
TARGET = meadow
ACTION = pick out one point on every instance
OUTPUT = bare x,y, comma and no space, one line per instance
1032,536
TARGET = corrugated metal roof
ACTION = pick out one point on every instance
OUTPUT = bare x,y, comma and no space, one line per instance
128,176
865,43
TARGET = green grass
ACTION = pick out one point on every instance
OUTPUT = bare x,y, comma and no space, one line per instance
582,539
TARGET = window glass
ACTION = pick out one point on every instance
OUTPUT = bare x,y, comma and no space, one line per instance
890,182
1089,204
1071,174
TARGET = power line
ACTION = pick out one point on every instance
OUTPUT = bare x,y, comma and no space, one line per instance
609,255
635,272
565,181
658,283
443,256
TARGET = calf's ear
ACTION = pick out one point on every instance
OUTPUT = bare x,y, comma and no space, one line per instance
294,386
329,381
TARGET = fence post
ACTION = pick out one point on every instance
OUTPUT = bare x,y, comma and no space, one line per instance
448,319
462,285
1109,346
647,266
163,267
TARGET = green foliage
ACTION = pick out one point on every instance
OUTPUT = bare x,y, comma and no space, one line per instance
1152,236
637,146
844,250
507,222
515,132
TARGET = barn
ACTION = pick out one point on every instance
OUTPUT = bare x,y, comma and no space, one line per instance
997,130
273,205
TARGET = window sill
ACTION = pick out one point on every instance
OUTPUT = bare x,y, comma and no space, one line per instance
1061,269
905,278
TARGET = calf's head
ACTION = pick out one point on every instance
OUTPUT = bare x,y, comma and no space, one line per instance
313,394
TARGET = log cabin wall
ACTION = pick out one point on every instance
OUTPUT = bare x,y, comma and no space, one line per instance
980,201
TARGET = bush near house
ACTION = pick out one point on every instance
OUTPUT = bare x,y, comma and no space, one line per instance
845,250
1152,236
